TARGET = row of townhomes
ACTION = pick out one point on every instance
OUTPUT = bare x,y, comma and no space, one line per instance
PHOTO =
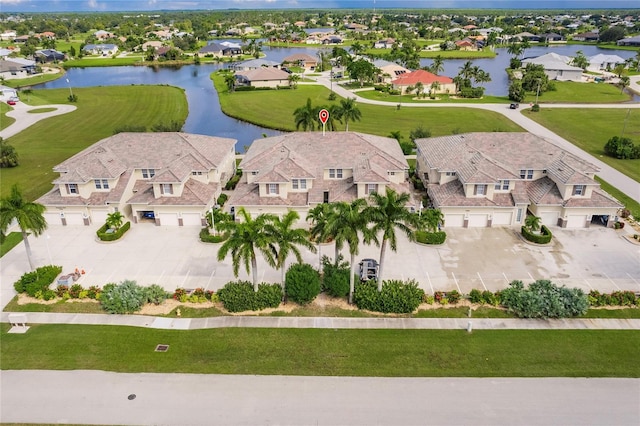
475,179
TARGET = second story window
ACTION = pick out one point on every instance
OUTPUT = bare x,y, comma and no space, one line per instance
480,190
148,173
299,183
272,188
72,188
371,188
101,183
579,189
335,173
526,174
166,188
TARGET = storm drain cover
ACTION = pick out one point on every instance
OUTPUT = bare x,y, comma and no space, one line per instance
162,348
132,397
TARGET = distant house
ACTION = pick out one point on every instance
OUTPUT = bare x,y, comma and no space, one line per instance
170,179
386,43
100,49
103,35
15,69
263,77
302,60
629,41
21,39
551,38
602,62
588,36
49,55
446,84
556,67
255,64
466,44
151,44
389,71
8,35
221,49
7,93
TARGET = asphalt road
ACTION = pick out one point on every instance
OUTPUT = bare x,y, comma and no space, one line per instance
97,397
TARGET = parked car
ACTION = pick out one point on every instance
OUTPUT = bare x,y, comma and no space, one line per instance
368,269
514,106
11,102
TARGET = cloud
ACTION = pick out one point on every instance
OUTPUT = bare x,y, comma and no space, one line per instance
12,2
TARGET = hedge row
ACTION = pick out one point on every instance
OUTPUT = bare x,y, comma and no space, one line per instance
425,237
542,238
112,236
238,296
38,280
207,237
400,297
617,298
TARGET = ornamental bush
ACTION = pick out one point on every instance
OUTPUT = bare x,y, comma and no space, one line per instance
207,237
112,236
302,283
400,297
543,299
38,280
124,298
335,277
425,237
238,296
156,294
543,237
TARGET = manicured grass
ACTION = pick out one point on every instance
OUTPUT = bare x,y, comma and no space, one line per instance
100,111
58,307
274,109
573,92
590,129
103,62
632,205
448,54
320,352
629,313
4,120
10,241
32,81
463,312
40,110
378,95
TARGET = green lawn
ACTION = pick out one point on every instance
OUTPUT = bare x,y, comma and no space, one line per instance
629,203
378,95
4,120
31,81
319,352
448,54
573,92
103,61
100,111
590,129
11,240
274,109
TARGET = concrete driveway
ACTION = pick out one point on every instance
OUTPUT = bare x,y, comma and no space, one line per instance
595,258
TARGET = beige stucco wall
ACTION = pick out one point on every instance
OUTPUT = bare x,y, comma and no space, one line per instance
270,83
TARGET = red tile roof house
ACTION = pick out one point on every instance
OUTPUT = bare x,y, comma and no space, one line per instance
303,60
170,179
492,179
300,170
426,78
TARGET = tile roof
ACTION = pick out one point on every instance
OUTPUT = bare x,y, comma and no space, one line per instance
422,76
299,57
451,194
263,74
194,193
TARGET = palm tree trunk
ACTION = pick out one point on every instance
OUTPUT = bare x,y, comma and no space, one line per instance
383,249
352,283
25,239
283,282
319,257
335,257
346,122
254,270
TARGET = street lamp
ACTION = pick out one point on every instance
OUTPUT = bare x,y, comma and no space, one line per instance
213,221
70,91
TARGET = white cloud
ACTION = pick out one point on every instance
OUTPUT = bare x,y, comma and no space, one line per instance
12,2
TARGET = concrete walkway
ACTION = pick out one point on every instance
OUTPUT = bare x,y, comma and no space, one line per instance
619,180
328,322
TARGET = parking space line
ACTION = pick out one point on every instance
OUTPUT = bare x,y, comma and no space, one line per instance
210,278
588,284
633,279
505,277
160,279
482,281
456,281
612,281
185,278
530,276
430,285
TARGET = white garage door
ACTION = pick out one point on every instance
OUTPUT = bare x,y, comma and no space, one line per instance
454,220
549,218
99,216
576,221
501,219
74,218
168,219
191,219
478,220
53,218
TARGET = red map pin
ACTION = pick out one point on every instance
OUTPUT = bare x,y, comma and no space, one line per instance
324,116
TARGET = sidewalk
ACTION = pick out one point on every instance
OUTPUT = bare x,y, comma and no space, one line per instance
328,322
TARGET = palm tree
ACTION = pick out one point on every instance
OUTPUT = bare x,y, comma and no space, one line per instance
247,236
532,222
28,215
306,116
515,49
335,116
625,81
287,239
230,81
438,65
435,86
419,89
114,220
429,219
319,231
349,111
293,80
388,213
357,48
346,223
466,70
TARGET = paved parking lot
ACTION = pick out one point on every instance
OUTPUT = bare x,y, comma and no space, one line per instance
595,258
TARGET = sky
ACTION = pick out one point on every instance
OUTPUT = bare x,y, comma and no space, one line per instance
7,6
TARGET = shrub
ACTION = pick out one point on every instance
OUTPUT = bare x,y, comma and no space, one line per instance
490,298
453,296
155,294
335,277
302,283
123,298
38,280
238,296
535,108
472,92
93,292
543,299
542,238
207,237
61,290
397,296
180,295
475,296
231,184
425,237
48,294
75,290
112,236
222,199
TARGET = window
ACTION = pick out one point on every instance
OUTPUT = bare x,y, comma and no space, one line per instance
254,173
450,173
578,189
148,173
101,183
335,173
480,189
72,188
526,174
519,216
299,183
502,185
166,188
272,188
371,188
196,173
392,173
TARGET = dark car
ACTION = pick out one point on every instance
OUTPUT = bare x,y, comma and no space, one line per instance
514,106
368,269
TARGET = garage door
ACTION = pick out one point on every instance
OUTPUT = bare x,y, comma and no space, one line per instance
478,220
454,220
549,218
99,216
502,219
168,219
576,221
74,219
191,219
53,218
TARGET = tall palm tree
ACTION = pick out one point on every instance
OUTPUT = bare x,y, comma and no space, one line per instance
349,111
335,116
114,220
319,230
419,89
293,80
306,116
435,86
346,223
230,81
247,236
28,215
357,48
438,65
388,213
287,239
532,222
466,70
515,49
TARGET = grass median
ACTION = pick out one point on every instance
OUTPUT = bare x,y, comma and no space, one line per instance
100,110
320,352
